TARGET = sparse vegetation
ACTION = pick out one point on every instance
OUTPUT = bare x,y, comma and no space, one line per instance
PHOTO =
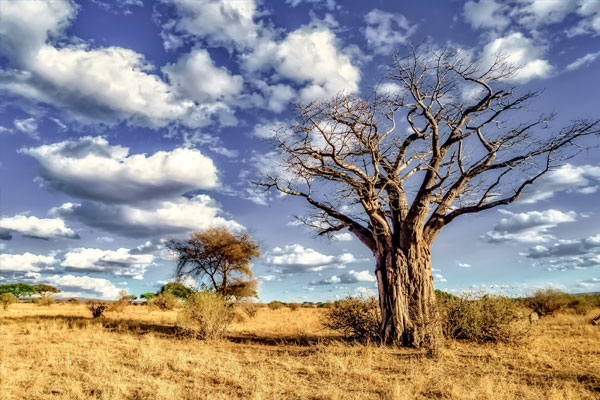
7,299
356,318
207,314
278,354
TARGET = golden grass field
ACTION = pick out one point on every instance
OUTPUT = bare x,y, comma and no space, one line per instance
59,352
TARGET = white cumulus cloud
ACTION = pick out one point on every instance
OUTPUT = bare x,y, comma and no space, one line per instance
528,227
39,228
91,168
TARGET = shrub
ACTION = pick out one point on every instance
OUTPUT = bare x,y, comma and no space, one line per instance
74,301
547,301
121,304
355,317
46,301
584,303
485,319
208,314
294,306
97,309
164,301
36,300
251,309
7,299
276,305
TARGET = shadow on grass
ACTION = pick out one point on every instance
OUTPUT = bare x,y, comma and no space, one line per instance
170,331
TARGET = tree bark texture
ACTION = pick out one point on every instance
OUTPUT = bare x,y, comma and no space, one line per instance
407,297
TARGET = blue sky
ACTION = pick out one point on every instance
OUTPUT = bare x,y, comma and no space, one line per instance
125,122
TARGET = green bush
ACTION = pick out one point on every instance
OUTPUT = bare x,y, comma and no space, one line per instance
164,301
356,318
485,319
276,305
207,314
36,300
547,301
7,299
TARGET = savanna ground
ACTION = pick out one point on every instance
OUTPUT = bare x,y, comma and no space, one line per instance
60,352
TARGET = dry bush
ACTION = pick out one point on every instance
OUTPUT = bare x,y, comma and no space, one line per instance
547,301
121,304
294,306
276,305
584,303
97,309
484,319
207,314
164,301
250,309
118,306
7,299
356,318
46,301
74,301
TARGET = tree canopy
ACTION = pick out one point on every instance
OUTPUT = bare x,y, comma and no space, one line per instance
46,290
18,289
220,259
177,289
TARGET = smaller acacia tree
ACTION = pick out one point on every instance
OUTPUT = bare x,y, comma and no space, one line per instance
46,291
220,259
147,296
18,289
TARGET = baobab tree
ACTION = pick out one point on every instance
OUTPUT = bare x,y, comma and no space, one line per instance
444,139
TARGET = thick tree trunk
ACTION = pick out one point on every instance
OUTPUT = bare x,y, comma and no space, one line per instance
407,298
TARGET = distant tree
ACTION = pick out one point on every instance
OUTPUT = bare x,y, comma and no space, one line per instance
46,290
147,296
6,299
177,289
18,289
220,259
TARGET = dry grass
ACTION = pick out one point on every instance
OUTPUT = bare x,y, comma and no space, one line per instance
59,352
